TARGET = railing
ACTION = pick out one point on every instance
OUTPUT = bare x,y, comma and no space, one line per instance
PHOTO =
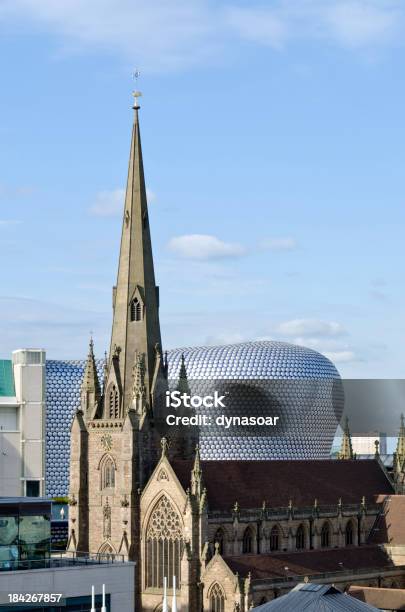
343,573
61,559
282,512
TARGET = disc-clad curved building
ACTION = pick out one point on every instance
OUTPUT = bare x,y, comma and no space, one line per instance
260,380
257,378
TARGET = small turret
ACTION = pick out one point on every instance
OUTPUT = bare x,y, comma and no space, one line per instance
90,393
346,449
196,474
182,384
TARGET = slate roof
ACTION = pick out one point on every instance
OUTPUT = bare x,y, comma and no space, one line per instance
385,599
276,482
309,562
315,597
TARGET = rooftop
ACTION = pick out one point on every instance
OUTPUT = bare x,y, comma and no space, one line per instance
277,482
385,599
316,597
390,528
310,562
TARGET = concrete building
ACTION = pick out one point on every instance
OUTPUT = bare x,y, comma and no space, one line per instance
22,423
365,443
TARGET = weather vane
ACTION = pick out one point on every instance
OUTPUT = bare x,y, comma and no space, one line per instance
137,94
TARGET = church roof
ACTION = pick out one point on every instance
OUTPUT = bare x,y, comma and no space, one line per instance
250,483
309,562
319,597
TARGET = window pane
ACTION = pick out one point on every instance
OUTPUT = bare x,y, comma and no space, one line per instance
8,530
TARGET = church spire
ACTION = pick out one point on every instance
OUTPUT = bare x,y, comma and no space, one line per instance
346,449
399,455
90,390
400,451
135,329
182,384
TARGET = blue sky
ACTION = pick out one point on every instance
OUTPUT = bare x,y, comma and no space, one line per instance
273,136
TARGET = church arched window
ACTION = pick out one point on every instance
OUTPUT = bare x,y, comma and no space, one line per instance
220,540
325,535
107,468
275,538
247,543
300,538
217,598
164,545
136,310
349,533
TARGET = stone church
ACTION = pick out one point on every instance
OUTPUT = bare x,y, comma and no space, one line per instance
234,533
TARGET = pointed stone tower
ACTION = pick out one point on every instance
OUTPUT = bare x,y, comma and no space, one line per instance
90,393
346,449
399,460
136,328
114,446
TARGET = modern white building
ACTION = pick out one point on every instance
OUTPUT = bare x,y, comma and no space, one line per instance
22,423
364,444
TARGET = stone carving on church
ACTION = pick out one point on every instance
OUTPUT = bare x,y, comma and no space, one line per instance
163,475
139,389
106,442
107,520
124,502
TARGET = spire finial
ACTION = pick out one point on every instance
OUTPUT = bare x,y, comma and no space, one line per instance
164,443
136,94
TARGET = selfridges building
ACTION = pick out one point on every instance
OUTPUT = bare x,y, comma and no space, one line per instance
257,380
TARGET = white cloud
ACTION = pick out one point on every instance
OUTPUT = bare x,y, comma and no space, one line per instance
349,23
279,244
156,34
161,36
310,327
8,222
203,246
340,356
111,203
225,338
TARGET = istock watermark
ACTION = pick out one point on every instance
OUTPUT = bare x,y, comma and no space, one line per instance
175,399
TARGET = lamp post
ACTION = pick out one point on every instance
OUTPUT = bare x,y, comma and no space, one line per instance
174,600
93,599
165,607
103,607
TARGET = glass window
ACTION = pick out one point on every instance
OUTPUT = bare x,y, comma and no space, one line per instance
32,488
35,536
8,530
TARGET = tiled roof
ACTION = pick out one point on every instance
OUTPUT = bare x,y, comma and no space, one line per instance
315,598
384,599
390,527
6,378
310,562
276,482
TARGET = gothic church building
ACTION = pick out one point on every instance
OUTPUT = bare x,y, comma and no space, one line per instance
234,533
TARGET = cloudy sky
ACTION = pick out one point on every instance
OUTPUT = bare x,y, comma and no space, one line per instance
273,137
